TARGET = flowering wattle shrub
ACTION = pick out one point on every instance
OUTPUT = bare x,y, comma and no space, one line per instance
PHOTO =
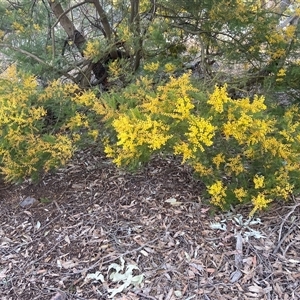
239,149
40,128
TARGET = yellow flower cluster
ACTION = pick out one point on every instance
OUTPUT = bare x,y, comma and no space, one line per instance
235,165
172,99
170,68
151,67
290,31
92,49
184,150
240,194
242,123
133,133
280,74
183,107
76,121
259,181
58,89
18,27
218,193
259,202
202,170
200,132
218,159
218,98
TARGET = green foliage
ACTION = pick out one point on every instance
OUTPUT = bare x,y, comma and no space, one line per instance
244,32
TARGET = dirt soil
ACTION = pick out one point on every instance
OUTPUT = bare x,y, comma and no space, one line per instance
92,220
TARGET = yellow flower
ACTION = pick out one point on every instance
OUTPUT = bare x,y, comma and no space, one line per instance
259,131
218,98
170,68
108,150
284,192
259,181
259,202
218,193
201,131
280,74
217,189
240,193
290,31
37,27
202,170
76,137
184,150
133,132
235,165
279,53
78,120
86,98
218,159
92,49
18,27
246,106
151,67
94,134
183,107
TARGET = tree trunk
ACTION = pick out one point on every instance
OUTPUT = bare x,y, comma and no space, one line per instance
136,29
79,41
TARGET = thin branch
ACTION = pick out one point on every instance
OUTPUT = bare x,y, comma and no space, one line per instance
103,18
36,58
39,60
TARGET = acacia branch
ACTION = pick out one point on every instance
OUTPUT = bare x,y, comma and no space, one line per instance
39,60
36,58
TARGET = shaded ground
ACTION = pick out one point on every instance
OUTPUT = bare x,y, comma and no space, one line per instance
89,215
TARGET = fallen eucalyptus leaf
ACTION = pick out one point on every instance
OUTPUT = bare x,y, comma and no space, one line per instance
96,276
220,226
173,201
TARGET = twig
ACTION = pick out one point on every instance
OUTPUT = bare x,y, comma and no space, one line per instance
39,60
283,239
288,246
281,227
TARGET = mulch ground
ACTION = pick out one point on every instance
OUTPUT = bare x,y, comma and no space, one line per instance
90,216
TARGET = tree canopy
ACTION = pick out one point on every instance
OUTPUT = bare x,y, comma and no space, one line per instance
79,39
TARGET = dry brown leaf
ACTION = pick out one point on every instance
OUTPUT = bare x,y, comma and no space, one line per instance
278,290
170,295
255,289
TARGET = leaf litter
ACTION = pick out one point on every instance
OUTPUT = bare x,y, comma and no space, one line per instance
106,233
